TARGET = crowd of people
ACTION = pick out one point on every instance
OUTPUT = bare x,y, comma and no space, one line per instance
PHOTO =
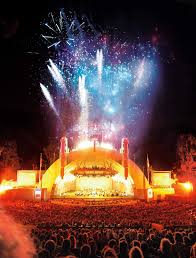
124,212
111,229
58,241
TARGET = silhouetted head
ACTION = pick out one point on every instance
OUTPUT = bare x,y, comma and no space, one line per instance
165,246
135,252
85,251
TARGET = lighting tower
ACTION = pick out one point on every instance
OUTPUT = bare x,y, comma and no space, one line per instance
63,154
125,155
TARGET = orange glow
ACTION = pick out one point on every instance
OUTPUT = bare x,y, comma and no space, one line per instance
3,188
6,185
90,144
188,186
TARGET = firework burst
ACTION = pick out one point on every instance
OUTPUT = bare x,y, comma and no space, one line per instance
109,79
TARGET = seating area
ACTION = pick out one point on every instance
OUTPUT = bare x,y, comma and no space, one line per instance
116,228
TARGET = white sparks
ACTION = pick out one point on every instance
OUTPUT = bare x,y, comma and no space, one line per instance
83,95
99,60
140,73
48,98
56,74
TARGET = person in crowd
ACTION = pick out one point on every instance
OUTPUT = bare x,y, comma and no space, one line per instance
85,251
123,249
109,253
166,249
179,247
44,254
66,248
145,249
50,246
193,251
94,253
135,252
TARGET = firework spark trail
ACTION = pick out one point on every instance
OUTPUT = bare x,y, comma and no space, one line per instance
83,95
140,73
99,60
55,72
61,20
46,24
48,98
48,38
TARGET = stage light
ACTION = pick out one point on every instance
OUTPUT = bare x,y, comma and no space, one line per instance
188,186
106,145
150,193
90,144
85,144
7,185
4,188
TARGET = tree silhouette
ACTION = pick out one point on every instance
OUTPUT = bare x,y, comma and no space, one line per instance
9,160
186,147
9,155
51,152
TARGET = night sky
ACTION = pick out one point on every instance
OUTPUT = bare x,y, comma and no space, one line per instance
170,23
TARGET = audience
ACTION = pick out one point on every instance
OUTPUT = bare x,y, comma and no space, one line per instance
128,230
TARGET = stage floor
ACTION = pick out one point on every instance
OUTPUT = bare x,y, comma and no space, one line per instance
92,195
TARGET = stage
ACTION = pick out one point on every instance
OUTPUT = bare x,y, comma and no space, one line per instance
91,195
